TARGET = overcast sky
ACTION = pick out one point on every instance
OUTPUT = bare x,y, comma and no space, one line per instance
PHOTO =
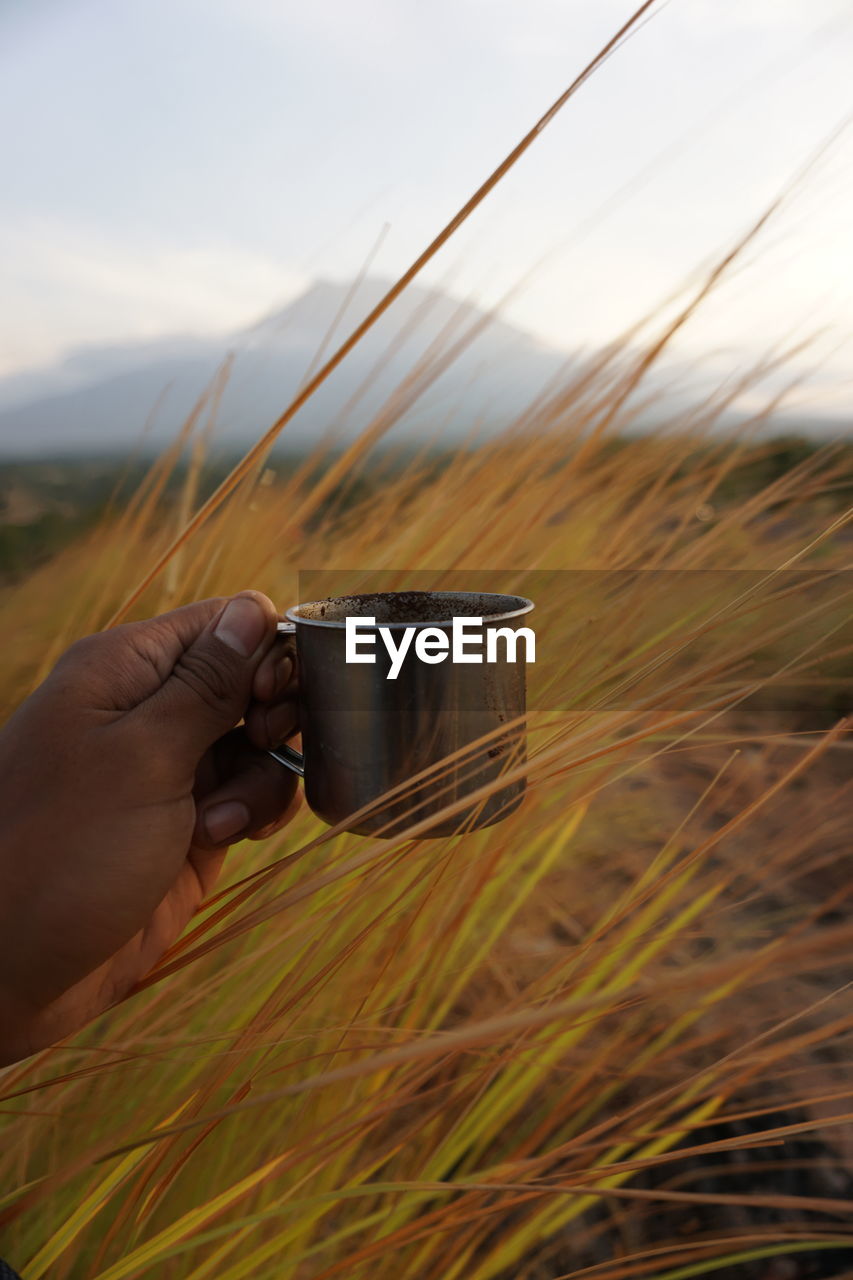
187,165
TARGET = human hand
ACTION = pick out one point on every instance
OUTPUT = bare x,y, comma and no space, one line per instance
123,780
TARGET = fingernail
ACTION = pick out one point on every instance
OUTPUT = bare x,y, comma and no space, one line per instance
280,722
225,819
242,625
284,672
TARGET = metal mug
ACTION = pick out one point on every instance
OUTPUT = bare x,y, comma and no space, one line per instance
383,754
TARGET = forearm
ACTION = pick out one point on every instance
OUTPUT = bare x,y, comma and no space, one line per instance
16,1031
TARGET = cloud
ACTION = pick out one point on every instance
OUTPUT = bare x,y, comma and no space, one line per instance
61,282
768,13
236,127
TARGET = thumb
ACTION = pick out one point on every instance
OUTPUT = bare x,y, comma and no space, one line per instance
209,686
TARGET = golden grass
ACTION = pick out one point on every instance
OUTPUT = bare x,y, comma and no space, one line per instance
363,1059
479,1057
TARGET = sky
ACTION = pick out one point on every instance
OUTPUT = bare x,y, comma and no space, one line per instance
185,166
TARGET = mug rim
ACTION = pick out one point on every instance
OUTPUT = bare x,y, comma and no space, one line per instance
524,605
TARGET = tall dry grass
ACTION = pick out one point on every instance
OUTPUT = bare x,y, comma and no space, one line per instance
504,1054
492,1055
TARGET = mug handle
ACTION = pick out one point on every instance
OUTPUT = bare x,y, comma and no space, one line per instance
288,756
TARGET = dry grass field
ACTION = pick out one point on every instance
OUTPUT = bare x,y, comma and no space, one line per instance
609,1036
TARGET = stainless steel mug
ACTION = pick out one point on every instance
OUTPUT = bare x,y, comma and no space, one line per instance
388,753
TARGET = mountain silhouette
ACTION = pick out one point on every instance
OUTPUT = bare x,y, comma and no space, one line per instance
108,399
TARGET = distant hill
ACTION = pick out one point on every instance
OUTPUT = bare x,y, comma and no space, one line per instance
105,399
100,398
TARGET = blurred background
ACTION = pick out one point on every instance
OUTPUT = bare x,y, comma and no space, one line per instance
186,179
183,178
